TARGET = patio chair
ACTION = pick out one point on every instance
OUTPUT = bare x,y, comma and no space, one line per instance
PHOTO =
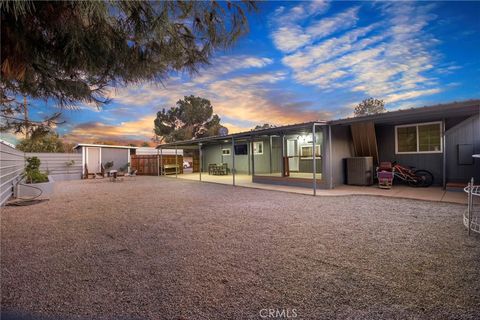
211,168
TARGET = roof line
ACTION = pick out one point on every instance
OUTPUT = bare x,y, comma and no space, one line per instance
102,146
384,115
243,134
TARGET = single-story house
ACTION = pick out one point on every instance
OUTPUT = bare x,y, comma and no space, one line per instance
95,155
440,138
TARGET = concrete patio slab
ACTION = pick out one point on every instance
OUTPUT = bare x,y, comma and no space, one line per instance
397,191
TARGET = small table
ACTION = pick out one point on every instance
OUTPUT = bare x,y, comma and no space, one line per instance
113,175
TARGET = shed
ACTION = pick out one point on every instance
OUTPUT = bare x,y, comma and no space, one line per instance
96,155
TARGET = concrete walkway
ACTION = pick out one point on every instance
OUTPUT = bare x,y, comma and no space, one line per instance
397,191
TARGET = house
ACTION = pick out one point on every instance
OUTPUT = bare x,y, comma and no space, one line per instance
95,155
440,138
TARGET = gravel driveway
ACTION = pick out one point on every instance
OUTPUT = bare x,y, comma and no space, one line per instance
162,248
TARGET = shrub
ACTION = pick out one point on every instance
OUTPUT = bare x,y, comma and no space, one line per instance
32,171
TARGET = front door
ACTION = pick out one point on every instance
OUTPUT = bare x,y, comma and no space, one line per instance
292,154
93,160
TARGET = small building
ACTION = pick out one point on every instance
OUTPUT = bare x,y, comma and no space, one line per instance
96,155
440,139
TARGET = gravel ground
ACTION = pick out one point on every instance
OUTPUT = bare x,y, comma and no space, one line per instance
162,248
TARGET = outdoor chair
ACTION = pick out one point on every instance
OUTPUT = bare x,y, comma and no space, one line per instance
211,168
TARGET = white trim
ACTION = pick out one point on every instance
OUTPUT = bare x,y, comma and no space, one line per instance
83,161
317,146
226,154
258,143
128,161
416,125
103,146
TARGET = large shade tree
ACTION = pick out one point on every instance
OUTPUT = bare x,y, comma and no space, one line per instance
190,118
44,142
369,106
75,51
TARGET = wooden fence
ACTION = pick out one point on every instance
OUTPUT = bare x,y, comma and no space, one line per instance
148,164
12,163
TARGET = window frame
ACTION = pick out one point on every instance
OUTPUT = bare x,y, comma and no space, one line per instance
416,125
317,156
226,154
256,152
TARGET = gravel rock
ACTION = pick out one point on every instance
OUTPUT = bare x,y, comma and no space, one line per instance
161,248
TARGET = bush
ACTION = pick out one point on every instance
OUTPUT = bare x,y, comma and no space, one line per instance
32,171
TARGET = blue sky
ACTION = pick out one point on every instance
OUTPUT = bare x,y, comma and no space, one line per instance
305,61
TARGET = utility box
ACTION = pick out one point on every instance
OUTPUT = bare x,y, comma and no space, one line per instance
360,171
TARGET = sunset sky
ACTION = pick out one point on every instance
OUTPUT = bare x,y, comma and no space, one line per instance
305,61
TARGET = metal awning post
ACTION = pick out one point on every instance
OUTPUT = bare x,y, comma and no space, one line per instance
158,162
176,162
271,151
233,161
200,164
314,164
253,157
283,154
444,157
330,156
161,161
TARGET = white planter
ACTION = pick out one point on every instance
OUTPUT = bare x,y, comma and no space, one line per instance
29,190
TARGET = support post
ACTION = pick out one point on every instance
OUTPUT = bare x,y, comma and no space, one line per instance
314,161
200,164
330,156
283,155
158,162
233,161
253,157
176,162
271,150
444,157
161,161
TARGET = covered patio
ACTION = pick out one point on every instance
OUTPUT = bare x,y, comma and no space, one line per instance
287,156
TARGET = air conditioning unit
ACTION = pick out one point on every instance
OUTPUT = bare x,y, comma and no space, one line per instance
360,171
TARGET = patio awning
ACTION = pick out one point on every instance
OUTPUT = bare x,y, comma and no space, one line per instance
193,144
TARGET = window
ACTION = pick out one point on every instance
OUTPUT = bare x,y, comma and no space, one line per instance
226,152
419,138
258,147
241,149
306,152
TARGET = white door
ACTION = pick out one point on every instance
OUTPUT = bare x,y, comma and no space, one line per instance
292,154
93,160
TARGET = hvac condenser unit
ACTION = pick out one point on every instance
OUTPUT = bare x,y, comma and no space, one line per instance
360,171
